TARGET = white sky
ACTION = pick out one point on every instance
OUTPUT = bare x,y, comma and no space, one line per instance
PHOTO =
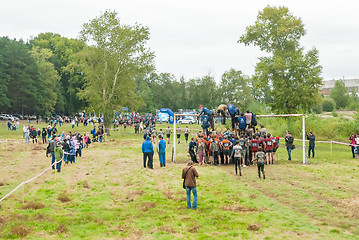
192,38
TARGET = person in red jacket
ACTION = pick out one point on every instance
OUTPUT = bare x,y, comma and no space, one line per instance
269,149
254,144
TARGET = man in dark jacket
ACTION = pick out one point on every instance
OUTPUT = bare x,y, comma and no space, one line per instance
311,138
43,135
52,146
33,135
289,144
66,148
147,150
189,174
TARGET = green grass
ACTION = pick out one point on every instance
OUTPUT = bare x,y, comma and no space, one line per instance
112,196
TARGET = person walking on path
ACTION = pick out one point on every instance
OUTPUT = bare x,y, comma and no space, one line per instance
189,174
289,144
161,150
311,138
147,150
168,133
260,158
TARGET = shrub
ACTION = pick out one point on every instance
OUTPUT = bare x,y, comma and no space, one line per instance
328,105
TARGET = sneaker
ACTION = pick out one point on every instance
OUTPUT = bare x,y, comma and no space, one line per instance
245,166
264,176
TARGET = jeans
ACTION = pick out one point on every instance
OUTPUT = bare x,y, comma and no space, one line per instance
58,166
44,139
65,157
78,152
237,164
311,148
289,150
195,197
162,155
260,166
100,139
150,160
53,159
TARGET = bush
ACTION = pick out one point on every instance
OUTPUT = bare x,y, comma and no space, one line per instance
334,113
328,104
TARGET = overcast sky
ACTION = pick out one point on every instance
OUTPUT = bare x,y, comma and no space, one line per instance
192,38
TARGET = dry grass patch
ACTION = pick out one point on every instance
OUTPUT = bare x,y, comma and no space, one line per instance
194,229
63,197
33,205
133,194
239,208
162,228
253,227
168,194
20,230
147,206
61,229
85,184
2,184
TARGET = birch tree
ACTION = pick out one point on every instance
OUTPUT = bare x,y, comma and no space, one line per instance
115,54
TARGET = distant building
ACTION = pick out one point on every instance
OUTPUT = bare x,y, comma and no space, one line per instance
350,84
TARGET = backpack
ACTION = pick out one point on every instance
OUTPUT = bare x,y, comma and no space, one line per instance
261,157
214,146
254,120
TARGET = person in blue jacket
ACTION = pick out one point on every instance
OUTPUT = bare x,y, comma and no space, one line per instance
161,150
242,123
209,113
147,150
205,123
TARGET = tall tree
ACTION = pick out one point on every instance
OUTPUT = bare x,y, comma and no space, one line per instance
4,75
64,55
48,79
293,76
340,94
21,74
116,54
235,89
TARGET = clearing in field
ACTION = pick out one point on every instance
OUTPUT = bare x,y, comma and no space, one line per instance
107,194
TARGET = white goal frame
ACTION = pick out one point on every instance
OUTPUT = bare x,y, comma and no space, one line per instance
259,116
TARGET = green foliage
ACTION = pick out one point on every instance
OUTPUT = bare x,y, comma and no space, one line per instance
21,86
340,94
334,113
118,54
63,58
235,89
328,104
48,77
293,76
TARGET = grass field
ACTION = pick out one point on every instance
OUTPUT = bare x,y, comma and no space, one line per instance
107,194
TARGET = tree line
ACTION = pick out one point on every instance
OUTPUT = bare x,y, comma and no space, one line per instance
110,66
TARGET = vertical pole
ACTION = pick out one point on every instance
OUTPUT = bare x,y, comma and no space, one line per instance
331,148
303,130
174,137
